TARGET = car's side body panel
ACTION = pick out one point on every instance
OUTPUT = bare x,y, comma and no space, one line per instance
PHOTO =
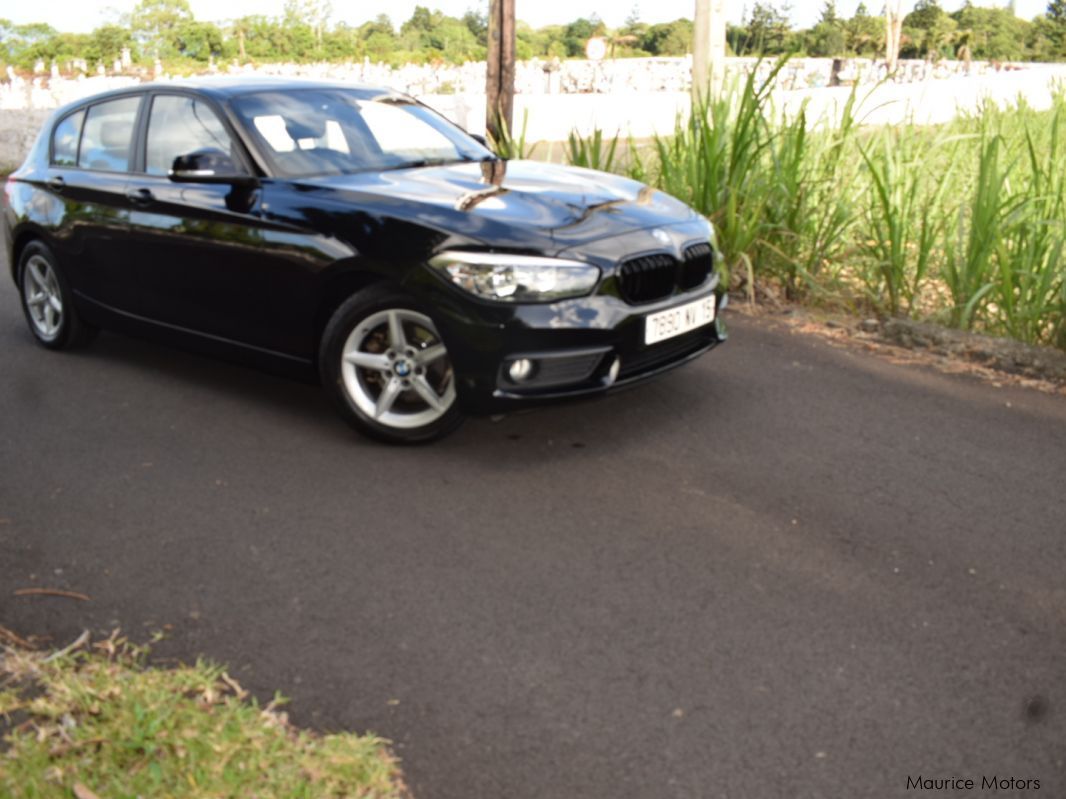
252,271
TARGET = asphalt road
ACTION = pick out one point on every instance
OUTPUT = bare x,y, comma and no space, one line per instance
786,570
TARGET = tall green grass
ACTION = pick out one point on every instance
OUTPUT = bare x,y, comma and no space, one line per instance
962,223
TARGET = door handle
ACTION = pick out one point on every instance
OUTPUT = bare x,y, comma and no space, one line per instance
57,183
140,196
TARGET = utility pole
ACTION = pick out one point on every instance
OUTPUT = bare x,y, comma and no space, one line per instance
708,49
893,33
499,111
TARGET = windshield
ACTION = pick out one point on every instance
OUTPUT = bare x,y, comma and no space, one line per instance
309,132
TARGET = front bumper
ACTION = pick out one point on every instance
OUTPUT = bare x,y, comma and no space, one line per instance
581,347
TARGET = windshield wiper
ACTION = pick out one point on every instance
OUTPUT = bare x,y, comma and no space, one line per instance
421,162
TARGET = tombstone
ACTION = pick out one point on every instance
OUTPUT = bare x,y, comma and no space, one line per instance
126,58
117,66
38,66
11,76
100,70
157,68
554,79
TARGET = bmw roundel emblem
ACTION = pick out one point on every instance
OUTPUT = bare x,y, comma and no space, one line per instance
403,368
661,236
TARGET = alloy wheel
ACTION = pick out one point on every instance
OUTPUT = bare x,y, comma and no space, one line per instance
40,288
396,369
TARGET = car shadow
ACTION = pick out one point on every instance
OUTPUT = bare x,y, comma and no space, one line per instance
579,429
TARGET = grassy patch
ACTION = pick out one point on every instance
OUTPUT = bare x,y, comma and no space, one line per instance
102,723
962,224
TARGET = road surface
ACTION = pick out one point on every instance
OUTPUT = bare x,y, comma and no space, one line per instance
786,570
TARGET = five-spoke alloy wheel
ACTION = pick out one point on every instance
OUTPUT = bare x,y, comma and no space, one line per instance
388,368
47,301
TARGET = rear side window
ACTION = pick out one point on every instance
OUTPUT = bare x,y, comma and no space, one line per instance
65,140
107,138
179,126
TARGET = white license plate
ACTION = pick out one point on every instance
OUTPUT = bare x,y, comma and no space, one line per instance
676,321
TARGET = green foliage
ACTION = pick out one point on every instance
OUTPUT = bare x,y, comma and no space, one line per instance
106,44
508,146
105,724
902,217
864,35
826,39
964,223
592,152
578,32
305,32
156,24
667,38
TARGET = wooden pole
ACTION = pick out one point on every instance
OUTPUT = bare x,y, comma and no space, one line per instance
499,110
893,33
708,49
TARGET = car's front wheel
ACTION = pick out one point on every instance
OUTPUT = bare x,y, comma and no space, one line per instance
388,369
48,302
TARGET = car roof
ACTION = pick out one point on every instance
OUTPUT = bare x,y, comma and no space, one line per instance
223,87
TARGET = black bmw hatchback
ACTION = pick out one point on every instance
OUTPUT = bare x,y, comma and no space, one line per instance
353,232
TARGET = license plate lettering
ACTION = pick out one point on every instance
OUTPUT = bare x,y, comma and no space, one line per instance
677,321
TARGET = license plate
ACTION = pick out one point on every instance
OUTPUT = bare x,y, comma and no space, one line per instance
676,321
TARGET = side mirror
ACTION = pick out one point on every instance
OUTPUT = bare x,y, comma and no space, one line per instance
208,166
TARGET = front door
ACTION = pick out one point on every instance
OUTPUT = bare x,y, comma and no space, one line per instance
201,252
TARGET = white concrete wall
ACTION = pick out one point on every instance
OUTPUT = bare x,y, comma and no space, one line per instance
644,114
641,114
18,130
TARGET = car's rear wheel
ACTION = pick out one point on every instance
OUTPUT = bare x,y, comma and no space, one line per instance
385,364
47,301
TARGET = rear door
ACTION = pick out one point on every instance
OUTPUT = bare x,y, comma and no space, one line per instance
90,155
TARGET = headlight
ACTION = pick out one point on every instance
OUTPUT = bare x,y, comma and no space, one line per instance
516,278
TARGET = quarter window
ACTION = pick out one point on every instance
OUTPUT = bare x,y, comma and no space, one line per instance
179,126
65,140
108,135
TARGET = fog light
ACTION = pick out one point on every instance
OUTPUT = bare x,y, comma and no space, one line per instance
521,370
615,368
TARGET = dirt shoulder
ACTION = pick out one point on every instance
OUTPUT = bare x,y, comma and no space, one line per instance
999,361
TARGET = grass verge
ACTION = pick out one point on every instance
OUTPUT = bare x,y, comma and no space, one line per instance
101,722
960,224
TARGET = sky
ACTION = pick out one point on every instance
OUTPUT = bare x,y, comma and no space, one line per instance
78,16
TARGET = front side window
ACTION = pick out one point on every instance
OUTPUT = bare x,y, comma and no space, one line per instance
65,140
308,132
106,141
181,125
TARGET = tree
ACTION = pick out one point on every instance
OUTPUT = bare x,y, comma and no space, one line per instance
198,40
925,15
155,24
768,29
993,34
106,43
578,32
668,38
826,40
478,24
1054,29
864,35
930,31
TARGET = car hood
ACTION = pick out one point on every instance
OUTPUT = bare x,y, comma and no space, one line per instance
510,203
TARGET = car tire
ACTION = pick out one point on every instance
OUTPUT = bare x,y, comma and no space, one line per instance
48,302
387,368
